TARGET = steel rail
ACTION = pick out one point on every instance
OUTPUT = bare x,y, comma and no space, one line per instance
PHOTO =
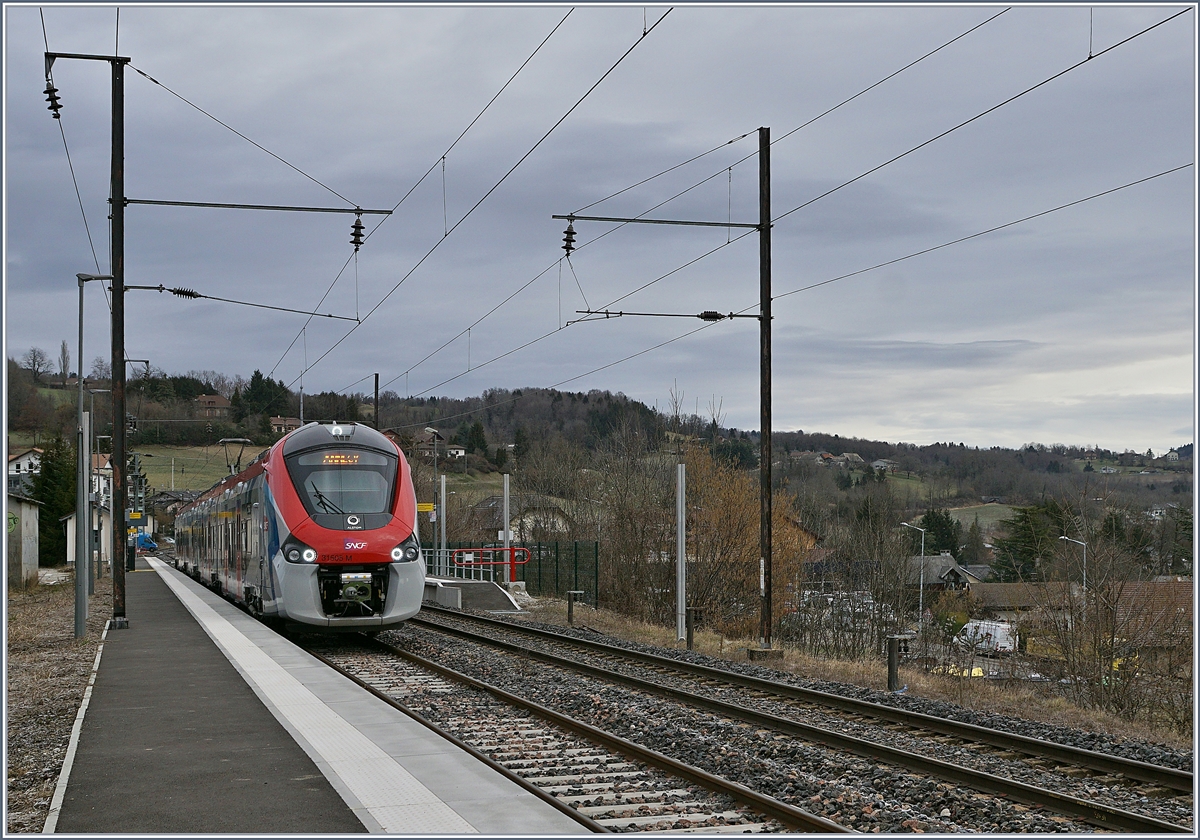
1094,813
527,785
789,815
1167,777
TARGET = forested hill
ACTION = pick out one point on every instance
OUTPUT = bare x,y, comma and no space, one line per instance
584,419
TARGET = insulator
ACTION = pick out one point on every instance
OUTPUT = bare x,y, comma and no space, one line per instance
569,239
187,293
711,315
356,236
52,97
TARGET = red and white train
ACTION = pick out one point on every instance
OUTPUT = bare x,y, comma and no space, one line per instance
321,530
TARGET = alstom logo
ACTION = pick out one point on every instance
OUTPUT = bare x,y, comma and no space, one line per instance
355,546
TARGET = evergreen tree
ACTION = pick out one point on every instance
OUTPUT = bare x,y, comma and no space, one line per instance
1031,535
54,487
942,532
476,439
974,552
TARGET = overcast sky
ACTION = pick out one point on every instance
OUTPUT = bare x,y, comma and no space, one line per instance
1076,327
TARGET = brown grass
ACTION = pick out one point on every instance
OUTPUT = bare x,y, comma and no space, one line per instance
1004,698
46,674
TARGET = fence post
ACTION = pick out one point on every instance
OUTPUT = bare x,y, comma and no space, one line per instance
893,663
575,578
596,570
571,596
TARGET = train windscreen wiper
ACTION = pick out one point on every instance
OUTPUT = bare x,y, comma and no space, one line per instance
326,505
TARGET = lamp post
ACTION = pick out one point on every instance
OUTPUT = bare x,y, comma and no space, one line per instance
1078,542
83,519
921,590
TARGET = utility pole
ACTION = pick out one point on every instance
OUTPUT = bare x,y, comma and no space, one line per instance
764,382
377,402
117,255
763,226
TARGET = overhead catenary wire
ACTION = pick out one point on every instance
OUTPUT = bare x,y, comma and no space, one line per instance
71,166
978,116
787,134
848,275
442,160
494,187
253,143
894,159
537,277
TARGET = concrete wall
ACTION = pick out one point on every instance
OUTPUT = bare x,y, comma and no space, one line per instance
22,538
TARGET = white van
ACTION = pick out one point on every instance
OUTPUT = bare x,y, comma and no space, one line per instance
988,637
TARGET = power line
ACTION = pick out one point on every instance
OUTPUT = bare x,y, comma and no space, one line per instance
496,186
244,137
806,288
794,130
982,232
442,161
70,165
978,116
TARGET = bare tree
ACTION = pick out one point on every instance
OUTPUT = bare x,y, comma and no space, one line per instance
37,362
101,369
64,361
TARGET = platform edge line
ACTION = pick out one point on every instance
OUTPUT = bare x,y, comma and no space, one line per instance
64,775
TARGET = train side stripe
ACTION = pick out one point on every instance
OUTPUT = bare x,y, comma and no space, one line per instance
365,776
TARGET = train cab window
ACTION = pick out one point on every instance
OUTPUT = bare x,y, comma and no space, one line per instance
344,481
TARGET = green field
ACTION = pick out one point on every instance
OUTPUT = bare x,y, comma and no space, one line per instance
989,515
195,467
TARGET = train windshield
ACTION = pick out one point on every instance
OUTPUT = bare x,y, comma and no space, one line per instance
344,480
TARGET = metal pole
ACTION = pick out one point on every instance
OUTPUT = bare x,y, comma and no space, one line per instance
921,590
442,518
507,533
764,291
87,503
82,526
377,401
680,552
119,619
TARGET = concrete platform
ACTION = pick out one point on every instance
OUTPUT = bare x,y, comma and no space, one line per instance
469,594
203,721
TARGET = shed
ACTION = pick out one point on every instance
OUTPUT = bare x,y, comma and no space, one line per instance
22,521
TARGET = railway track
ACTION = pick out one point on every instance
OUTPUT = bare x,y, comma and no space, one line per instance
912,741
603,781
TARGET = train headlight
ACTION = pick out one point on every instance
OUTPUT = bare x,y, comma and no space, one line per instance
408,551
299,553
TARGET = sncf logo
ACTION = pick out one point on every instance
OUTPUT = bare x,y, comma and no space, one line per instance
351,545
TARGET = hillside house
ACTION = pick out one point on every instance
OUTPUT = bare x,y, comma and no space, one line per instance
283,425
22,467
1014,602
531,517
213,405
885,464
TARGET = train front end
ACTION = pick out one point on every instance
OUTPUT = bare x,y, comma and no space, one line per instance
344,548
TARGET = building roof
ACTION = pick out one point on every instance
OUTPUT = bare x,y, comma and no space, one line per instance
26,451
23,498
214,400
1021,596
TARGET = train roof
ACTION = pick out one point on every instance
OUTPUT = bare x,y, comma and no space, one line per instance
313,435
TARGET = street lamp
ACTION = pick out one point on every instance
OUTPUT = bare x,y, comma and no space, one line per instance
1078,542
921,591
83,519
